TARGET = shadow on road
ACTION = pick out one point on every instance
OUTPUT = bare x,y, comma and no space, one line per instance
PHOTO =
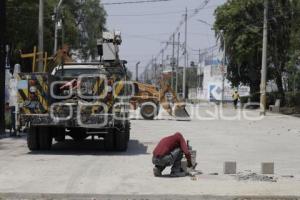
90,147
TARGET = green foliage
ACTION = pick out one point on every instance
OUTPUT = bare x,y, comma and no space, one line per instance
241,23
292,99
91,20
82,24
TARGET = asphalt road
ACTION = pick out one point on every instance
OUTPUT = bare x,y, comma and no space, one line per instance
85,168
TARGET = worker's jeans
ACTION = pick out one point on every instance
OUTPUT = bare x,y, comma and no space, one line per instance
173,159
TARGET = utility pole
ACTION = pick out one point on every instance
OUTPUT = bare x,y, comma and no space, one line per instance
155,69
264,61
186,56
223,68
41,36
137,71
178,51
152,69
198,76
2,64
162,59
56,17
199,56
173,60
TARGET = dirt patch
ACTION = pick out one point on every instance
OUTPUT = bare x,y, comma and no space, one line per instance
251,176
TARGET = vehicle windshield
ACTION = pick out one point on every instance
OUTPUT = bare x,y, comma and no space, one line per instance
75,72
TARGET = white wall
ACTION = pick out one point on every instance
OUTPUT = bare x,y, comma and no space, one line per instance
212,85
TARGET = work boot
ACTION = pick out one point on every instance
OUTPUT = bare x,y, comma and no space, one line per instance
180,173
156,172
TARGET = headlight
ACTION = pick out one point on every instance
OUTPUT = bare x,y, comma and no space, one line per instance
66,92
109,88
32,89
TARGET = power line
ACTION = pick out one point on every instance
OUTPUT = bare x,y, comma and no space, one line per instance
158,13
134,2
143,37
181,23
147,14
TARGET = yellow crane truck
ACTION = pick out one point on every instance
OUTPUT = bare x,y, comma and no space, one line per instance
78,100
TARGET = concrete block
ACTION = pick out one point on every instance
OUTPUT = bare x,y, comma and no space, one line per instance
267,168
230,168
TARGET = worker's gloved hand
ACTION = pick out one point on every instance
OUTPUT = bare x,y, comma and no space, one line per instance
190,165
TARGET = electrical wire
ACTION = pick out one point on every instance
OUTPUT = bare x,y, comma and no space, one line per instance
134,2
181,23
159,13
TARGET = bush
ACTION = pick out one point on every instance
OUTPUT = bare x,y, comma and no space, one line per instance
271,98
244,99
292,100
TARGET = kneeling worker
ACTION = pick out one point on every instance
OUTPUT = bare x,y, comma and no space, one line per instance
169,152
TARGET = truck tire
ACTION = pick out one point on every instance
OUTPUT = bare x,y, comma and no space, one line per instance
109,140
32,139
149,110
45,138
121,141
127,131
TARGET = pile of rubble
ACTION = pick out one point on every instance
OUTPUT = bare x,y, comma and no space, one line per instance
251,176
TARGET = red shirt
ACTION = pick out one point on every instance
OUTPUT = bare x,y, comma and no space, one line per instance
168,144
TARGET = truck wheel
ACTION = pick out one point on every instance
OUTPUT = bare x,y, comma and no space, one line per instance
121,141
127,131
149,110
109,141
32,139
45,138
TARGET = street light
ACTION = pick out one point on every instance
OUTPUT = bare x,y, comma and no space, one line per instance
137,71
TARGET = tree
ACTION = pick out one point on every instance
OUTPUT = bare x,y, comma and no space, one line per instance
241,23
91,18
294,51
83,22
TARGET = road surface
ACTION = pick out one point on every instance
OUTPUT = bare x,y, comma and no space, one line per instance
85,168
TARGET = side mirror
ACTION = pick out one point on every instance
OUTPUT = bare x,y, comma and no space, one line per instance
100,47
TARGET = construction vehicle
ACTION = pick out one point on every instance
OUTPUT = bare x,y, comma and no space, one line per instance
150,98
77,99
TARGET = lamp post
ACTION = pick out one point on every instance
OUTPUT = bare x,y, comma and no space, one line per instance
137,71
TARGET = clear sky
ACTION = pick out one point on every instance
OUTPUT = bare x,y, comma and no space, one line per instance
146,26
